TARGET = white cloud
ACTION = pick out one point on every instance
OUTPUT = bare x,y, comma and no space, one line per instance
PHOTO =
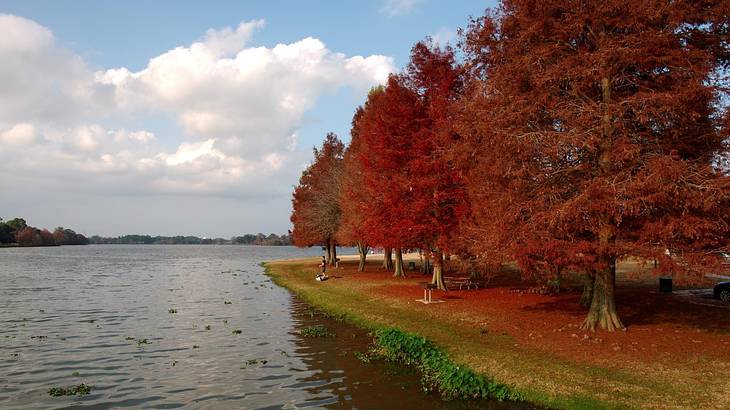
443,37
20,134
239,108
257,94
394,8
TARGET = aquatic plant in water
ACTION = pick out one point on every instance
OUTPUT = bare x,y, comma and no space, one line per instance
78,390
172,311
237,332
315,331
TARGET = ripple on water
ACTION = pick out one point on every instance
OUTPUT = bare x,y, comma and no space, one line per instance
99,315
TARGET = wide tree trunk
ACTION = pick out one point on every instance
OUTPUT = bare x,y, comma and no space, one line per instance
438,270
399,272
362,250
602,312
388,258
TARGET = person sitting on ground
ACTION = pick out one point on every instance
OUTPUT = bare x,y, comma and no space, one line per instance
322,276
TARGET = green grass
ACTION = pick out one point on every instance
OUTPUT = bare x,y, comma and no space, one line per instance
538,377
438,372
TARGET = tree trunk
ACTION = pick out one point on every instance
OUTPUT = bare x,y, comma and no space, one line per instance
333,254
399,272
388,258
587,297
426,265
602,312
362,250
438,267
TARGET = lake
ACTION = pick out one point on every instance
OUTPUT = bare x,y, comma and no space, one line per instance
179,326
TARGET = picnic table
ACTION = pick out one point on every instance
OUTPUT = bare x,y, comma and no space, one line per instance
461,282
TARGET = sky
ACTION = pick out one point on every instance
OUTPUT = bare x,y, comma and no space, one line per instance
187,118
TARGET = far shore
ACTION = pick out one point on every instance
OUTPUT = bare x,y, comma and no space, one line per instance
674,353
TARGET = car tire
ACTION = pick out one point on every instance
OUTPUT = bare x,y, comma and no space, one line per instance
725,295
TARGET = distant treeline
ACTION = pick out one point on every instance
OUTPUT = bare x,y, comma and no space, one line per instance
17,232
248,239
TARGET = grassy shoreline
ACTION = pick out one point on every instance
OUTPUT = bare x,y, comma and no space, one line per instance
540,377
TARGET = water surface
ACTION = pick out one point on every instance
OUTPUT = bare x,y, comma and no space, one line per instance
101,315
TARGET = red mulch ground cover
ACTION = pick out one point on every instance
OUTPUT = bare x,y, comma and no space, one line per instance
659,326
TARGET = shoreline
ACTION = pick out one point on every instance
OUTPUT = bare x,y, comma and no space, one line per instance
374,300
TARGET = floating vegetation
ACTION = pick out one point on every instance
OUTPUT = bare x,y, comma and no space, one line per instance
252,362
76,374
237,332
364,357
207,327
227,302
196,347
79,390
141,342
174,362
225,321
316,331
39,337
172,311
129,338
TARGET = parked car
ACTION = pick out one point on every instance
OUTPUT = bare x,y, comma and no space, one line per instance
722,291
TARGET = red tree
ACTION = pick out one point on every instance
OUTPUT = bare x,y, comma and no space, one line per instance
315,203
594,123
415,193
353,197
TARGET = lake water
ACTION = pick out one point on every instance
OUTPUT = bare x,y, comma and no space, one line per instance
100,315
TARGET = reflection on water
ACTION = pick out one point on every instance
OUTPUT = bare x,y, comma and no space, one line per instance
101,315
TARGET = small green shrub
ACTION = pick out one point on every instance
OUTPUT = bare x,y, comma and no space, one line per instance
172,311
237,332
438,372
79,390
316,331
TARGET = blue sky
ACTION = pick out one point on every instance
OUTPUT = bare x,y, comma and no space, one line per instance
94,39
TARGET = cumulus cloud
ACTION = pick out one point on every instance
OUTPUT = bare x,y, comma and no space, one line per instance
218,88
238,108
395,8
